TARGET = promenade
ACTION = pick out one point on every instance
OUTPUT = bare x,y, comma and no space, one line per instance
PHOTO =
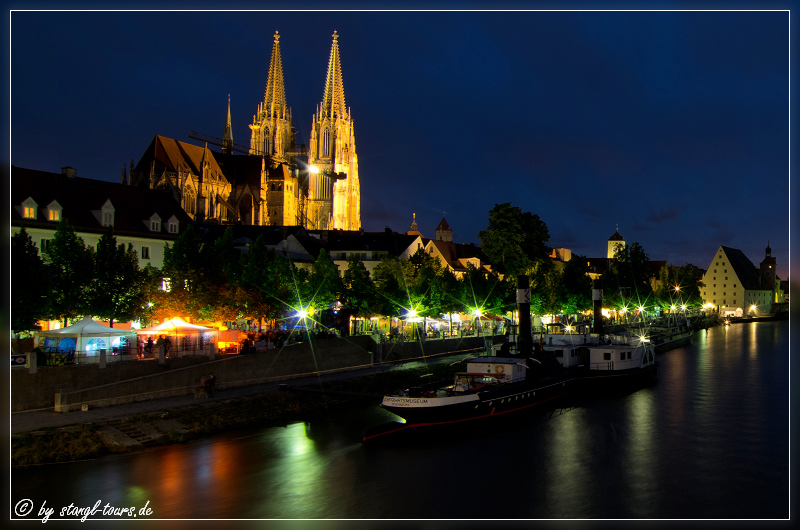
27,421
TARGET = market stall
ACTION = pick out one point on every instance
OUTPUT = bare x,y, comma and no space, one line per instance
82,342
180,338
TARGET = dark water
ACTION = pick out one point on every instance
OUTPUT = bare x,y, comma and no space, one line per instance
710,439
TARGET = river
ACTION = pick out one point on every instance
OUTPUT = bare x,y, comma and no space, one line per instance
708,440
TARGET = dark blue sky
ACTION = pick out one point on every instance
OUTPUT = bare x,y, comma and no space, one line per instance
672,125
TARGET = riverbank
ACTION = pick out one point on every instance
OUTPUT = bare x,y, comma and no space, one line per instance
169,425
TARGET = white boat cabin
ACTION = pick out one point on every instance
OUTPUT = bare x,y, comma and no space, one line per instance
488,370
626,353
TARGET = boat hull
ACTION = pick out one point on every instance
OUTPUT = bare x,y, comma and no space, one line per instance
430,410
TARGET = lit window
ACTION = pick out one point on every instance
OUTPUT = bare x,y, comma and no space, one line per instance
52,215
165,285
29,213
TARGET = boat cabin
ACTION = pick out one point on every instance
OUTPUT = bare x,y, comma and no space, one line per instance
622,355
489,370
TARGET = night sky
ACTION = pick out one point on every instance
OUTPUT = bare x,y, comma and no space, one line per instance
672,125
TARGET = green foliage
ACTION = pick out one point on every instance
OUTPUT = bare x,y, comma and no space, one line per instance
628,280
688,280
513,240
323,284
116,291
30,286
358,291
69,266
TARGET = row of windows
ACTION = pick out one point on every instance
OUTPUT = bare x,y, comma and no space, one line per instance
29,212
622,355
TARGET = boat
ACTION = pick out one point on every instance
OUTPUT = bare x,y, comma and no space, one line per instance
489,387
668,337
622,357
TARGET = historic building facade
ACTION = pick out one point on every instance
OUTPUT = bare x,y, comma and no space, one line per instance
733,282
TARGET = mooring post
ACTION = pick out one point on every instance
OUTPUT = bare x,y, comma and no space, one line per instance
524,340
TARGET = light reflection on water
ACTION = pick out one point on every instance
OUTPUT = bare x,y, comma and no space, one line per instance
708,440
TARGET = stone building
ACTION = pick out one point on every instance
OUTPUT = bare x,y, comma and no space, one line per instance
732,282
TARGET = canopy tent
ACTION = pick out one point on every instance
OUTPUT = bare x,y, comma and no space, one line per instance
184,337
84,335
172,326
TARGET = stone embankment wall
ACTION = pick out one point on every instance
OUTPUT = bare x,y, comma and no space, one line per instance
70,387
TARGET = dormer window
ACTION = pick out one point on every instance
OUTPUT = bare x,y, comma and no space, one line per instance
155,223
54,211
29,208
107,214
172,225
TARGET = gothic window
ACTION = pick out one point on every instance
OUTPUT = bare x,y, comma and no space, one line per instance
326,143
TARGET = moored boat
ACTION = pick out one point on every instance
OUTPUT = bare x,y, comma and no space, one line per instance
628,357
490,387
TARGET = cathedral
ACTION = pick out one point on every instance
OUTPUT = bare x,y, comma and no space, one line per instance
276,181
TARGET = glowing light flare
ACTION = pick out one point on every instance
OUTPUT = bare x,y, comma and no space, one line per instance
313,169
568,328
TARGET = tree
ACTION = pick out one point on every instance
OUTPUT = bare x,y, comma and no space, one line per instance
116,289
69,266
514,239
679,286
628,279
29,288
358,291
324,284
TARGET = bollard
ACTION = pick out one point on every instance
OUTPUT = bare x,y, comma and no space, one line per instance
102,358
160,354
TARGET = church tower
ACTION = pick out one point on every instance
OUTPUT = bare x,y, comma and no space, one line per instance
334,190
615,241
768,270
272,132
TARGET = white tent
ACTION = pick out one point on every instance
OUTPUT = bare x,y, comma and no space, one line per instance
86,335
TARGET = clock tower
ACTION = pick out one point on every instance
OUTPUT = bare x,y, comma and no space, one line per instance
768,270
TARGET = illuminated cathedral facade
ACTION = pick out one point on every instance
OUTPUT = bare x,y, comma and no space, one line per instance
275,181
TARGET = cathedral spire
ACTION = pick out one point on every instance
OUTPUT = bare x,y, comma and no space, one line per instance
274,95
227,136
333,99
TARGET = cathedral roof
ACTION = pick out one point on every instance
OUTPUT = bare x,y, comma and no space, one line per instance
172,155
333,98
241,169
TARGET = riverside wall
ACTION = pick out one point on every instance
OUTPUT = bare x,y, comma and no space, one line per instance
68,388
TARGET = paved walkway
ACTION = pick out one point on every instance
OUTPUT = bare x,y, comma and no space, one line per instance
41,419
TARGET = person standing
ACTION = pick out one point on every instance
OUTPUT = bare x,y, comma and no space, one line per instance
211,380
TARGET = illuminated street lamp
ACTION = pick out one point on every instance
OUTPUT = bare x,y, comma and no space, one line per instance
477,312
